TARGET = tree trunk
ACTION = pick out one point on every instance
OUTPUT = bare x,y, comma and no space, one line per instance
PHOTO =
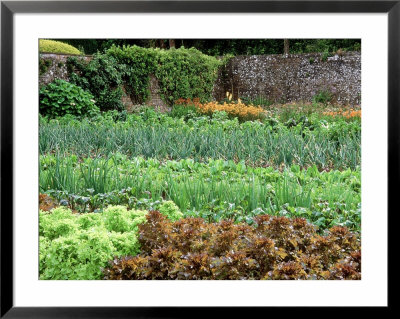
161,44
171,43
286,46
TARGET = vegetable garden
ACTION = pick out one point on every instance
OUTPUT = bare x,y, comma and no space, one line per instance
210,190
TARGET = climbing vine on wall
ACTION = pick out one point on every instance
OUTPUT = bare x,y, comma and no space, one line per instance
44,65
137,63
102,76
186,73
182,73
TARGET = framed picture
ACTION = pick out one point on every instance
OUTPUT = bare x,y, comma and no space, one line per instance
370,77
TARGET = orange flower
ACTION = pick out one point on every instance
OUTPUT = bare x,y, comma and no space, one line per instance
240,110
347,114
244,112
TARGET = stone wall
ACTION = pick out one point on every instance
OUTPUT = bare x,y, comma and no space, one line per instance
277,78
131,103
54,66
292,78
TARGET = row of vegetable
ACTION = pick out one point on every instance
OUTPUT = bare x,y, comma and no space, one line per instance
200,194
215,190
106,246
326,142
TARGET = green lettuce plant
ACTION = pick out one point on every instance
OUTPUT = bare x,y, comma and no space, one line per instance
74,246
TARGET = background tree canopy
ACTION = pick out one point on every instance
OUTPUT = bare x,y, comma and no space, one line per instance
218,47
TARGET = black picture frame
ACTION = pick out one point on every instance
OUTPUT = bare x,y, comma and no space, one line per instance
9,8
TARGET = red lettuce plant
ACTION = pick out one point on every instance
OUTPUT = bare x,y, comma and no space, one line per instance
276,248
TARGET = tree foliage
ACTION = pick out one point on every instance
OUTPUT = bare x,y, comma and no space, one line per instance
217,47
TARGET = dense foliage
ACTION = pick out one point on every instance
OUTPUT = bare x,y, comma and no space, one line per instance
93,46
102,76
217,47
181,73
60,98
323,45
137,64
75,246
51,46
186,73
277,248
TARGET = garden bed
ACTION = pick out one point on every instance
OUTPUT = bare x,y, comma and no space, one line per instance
202,192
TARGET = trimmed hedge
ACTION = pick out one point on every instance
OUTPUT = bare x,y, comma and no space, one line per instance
51,46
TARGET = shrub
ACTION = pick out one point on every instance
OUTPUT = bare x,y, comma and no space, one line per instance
181,72
277,248
186,73
74,246
102,76
61,97
51,46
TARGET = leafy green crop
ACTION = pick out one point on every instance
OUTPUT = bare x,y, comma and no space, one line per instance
170,210
60,98
74,246
327,143
214,190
